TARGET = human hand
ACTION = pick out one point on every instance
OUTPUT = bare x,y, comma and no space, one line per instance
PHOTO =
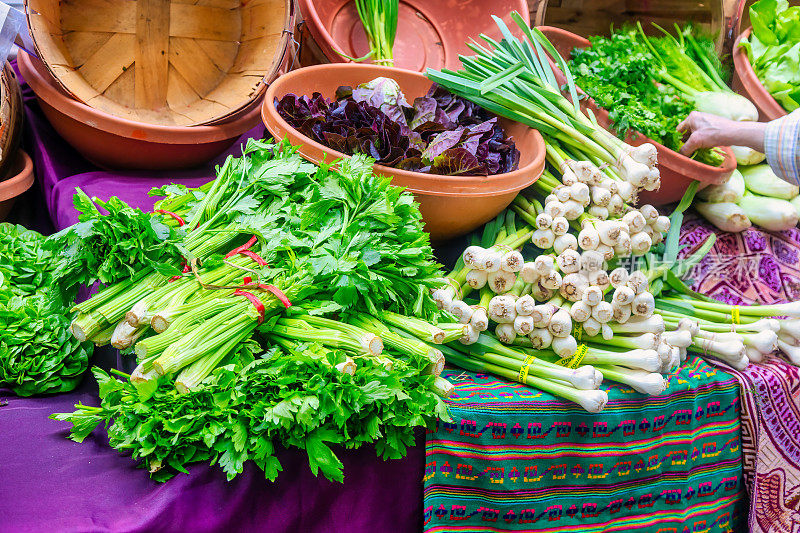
707,131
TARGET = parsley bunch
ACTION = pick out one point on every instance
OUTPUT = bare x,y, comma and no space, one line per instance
618,72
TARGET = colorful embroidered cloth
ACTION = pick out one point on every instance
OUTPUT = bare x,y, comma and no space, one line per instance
759,266
516,458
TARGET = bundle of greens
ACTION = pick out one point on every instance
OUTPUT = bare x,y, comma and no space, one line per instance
379,18
105,247
246,411
616,71
37,353
774,49
690,64
649,85
25,260
326,270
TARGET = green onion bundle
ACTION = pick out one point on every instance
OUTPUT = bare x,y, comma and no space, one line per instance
515,79
562,315
379,18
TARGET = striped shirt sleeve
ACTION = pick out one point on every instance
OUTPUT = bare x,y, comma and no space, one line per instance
782,146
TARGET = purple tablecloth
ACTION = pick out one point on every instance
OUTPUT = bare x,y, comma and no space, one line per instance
49,483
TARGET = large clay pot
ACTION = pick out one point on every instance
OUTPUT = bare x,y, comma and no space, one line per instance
18,180
113,142
450,205
430,34
677,171
746,83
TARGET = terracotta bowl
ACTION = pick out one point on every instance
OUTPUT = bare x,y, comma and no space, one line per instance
450,205
113,142
677,171
18,180
746,83
430,34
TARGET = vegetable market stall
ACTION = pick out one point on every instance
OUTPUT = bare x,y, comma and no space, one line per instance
130,501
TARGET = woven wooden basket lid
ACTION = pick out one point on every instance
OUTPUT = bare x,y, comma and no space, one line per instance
11,115
160,61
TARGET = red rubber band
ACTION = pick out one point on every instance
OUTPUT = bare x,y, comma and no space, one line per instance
277,293
186,269
254,256
255,301
272,289
181,222
240,249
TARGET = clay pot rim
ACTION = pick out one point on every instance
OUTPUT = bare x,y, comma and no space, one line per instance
714,175
21,181
742,63
45,88
517,179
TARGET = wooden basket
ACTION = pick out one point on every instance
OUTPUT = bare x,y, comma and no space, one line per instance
11,114
595,17
172,63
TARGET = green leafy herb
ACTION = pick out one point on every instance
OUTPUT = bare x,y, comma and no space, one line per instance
245,412
106,247
620,73
37,352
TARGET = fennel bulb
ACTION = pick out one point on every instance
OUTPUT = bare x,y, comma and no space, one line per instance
772,214
727,216
761,180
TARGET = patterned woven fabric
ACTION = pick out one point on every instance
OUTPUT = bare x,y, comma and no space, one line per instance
760,266
516,458
743,268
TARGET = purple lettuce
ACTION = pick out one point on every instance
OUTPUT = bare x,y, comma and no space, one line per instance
441,134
